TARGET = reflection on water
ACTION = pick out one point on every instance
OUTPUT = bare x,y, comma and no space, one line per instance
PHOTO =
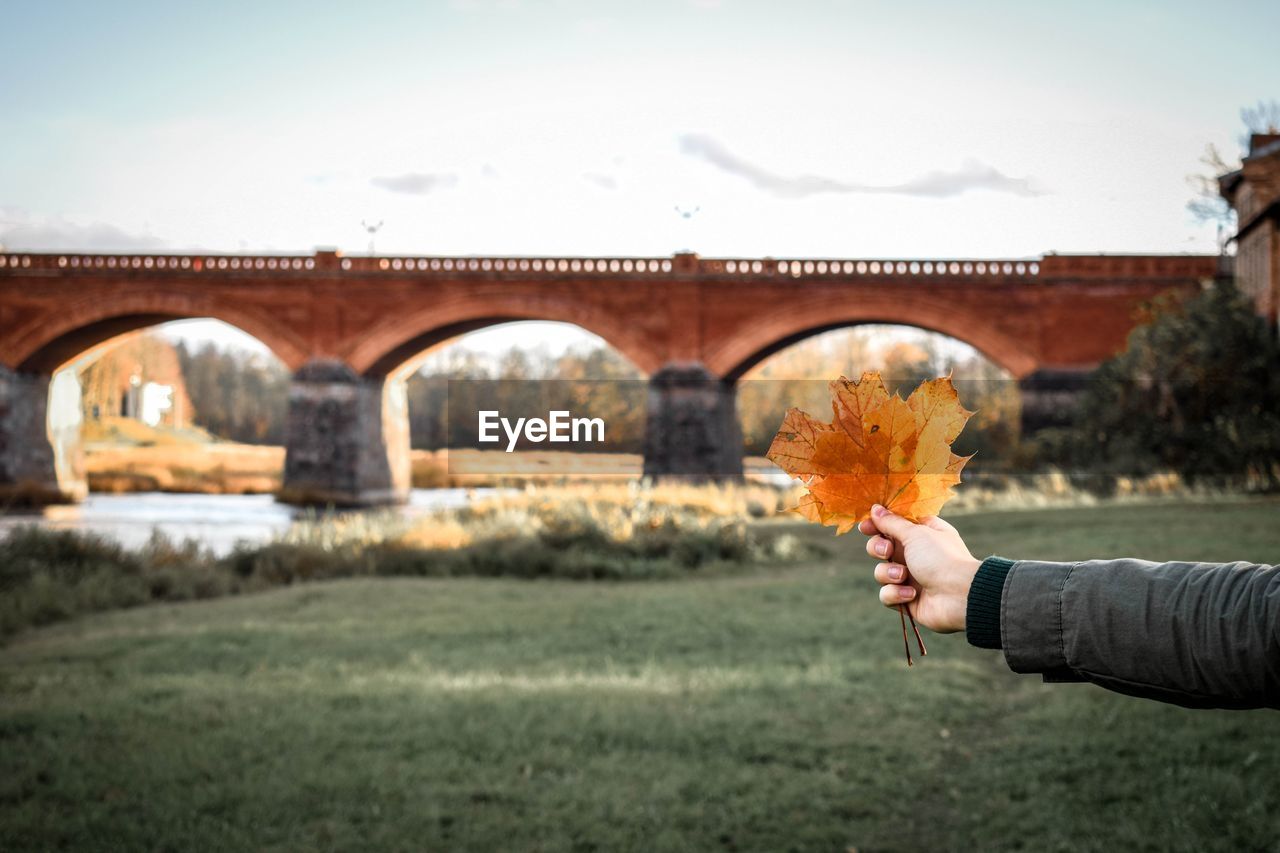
216,521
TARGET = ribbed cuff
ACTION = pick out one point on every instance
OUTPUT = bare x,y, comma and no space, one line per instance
982,611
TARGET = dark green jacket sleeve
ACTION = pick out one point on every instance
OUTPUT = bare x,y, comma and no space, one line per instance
1196,634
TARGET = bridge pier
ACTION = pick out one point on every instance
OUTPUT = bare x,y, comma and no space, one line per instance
692,429
1050,397
40,456
347,438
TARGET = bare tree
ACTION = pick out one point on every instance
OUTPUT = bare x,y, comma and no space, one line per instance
1262,117
1208,205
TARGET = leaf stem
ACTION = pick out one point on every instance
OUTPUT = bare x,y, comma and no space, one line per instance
919,639
906,646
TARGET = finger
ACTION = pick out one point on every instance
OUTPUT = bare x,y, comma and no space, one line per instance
891,595
867,527
890,573
878,546
891,524
937,523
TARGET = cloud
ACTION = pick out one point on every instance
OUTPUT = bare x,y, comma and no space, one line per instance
20,230
606,182
414,183
972,175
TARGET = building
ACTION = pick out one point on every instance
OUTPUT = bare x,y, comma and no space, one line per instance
1253,191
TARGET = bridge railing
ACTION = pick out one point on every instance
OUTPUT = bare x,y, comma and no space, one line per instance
330,261
155,263
556,266
800,267
793,267
1050,266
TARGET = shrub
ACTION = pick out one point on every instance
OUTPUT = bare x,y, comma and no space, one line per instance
1196,392
50,575
613,532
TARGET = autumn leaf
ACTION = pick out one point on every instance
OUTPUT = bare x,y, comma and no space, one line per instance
877,449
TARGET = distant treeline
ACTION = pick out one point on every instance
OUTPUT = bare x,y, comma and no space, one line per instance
1197,392
446,394
237,395
106,382
243,396
904,358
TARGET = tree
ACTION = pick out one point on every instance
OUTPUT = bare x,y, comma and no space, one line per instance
236,395
453,385
799,375
139,358
1208,205
1262,117
1197,391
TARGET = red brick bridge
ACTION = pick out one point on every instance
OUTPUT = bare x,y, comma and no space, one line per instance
346,326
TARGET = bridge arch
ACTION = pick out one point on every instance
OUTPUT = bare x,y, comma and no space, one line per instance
49,343
38,376
396,340
752,342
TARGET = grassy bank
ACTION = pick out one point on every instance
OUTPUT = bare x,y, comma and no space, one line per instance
601,532
211,469
766,711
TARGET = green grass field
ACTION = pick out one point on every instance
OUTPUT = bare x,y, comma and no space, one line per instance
771,711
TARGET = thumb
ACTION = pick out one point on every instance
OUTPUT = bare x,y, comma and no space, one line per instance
890,524
937,524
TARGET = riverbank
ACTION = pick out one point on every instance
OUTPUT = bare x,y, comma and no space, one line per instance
600,531
216,468
228,468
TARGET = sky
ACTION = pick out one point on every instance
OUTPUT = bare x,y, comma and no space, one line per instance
731,128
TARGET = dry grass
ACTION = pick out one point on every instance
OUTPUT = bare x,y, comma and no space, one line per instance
171,465
702,500
602,531
131,432
229,468
1059,490
125,455
616,513
454,468
205,468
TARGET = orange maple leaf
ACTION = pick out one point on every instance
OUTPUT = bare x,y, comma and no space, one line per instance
877,449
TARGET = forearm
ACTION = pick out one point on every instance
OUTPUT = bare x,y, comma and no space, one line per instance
1198,634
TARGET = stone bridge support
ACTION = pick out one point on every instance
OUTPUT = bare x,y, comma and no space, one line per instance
347,438
40,456
1050,397
692,429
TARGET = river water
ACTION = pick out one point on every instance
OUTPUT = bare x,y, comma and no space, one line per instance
216,521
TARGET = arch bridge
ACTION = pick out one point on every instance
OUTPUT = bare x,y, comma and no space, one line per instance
345,326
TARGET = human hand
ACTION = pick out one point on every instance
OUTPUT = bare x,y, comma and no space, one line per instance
925,566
